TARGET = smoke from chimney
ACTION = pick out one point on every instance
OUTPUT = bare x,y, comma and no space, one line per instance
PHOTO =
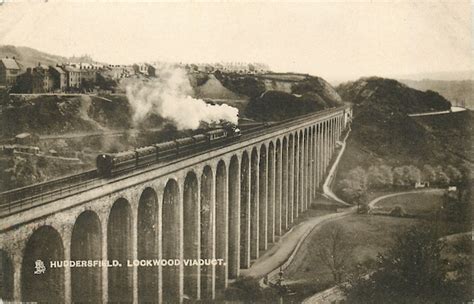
169,97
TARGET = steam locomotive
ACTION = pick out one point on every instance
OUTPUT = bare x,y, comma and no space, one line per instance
108,163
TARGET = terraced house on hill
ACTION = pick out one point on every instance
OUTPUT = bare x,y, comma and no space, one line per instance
9,70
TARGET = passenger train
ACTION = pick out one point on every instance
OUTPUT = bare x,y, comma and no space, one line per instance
110,163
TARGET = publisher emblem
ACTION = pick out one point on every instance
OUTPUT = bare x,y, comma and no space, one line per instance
39,267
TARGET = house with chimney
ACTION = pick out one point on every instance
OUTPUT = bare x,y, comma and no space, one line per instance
9,71
88,75
35,80
74,77
59,78
43,81
145,69
117,71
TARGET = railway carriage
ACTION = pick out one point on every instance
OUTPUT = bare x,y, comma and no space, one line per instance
108,164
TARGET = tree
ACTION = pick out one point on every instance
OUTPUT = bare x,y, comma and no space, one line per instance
354,185
406,175
453,174
452,208
412,174
429,174
379,176
442,178
334,251
398,176
412,271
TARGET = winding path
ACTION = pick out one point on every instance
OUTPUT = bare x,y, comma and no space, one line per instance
327,191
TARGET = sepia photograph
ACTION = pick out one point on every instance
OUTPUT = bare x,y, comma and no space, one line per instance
315,152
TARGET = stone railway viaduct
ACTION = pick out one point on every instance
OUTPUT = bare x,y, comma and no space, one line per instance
227,203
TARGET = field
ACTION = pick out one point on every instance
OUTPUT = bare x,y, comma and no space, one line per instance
364,237
416,204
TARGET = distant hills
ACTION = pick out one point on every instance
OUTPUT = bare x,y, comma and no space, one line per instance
28,57
446,76
459,92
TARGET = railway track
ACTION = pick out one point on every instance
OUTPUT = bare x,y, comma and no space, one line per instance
21,199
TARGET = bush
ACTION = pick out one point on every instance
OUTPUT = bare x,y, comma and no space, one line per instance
397,211
363,209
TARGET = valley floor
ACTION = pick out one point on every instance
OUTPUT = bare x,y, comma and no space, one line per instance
364,237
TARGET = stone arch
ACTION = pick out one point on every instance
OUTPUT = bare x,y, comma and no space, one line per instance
119,247
271,193
86,244
320,153
172,242
207,232
291,178
313,163
262,198
222,221
254,204
296,175
285,172
234,218
301,179
46,245
307,158
245,211
325,146
6,279
278,187
148,244
191,236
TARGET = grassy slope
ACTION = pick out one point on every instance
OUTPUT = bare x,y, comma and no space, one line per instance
214,89
383,133
365,235
453,131
414,203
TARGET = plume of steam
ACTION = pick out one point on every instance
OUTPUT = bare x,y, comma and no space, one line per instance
169,97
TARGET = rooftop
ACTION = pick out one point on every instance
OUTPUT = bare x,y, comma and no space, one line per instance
10,63
71,69
58,69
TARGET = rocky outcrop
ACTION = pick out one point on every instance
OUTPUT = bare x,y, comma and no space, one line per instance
391,94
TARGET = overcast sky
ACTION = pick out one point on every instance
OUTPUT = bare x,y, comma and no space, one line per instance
332,39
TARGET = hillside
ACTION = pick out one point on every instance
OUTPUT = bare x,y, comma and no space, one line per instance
213,89
29,57
391,94
281,96
383,133
460,92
